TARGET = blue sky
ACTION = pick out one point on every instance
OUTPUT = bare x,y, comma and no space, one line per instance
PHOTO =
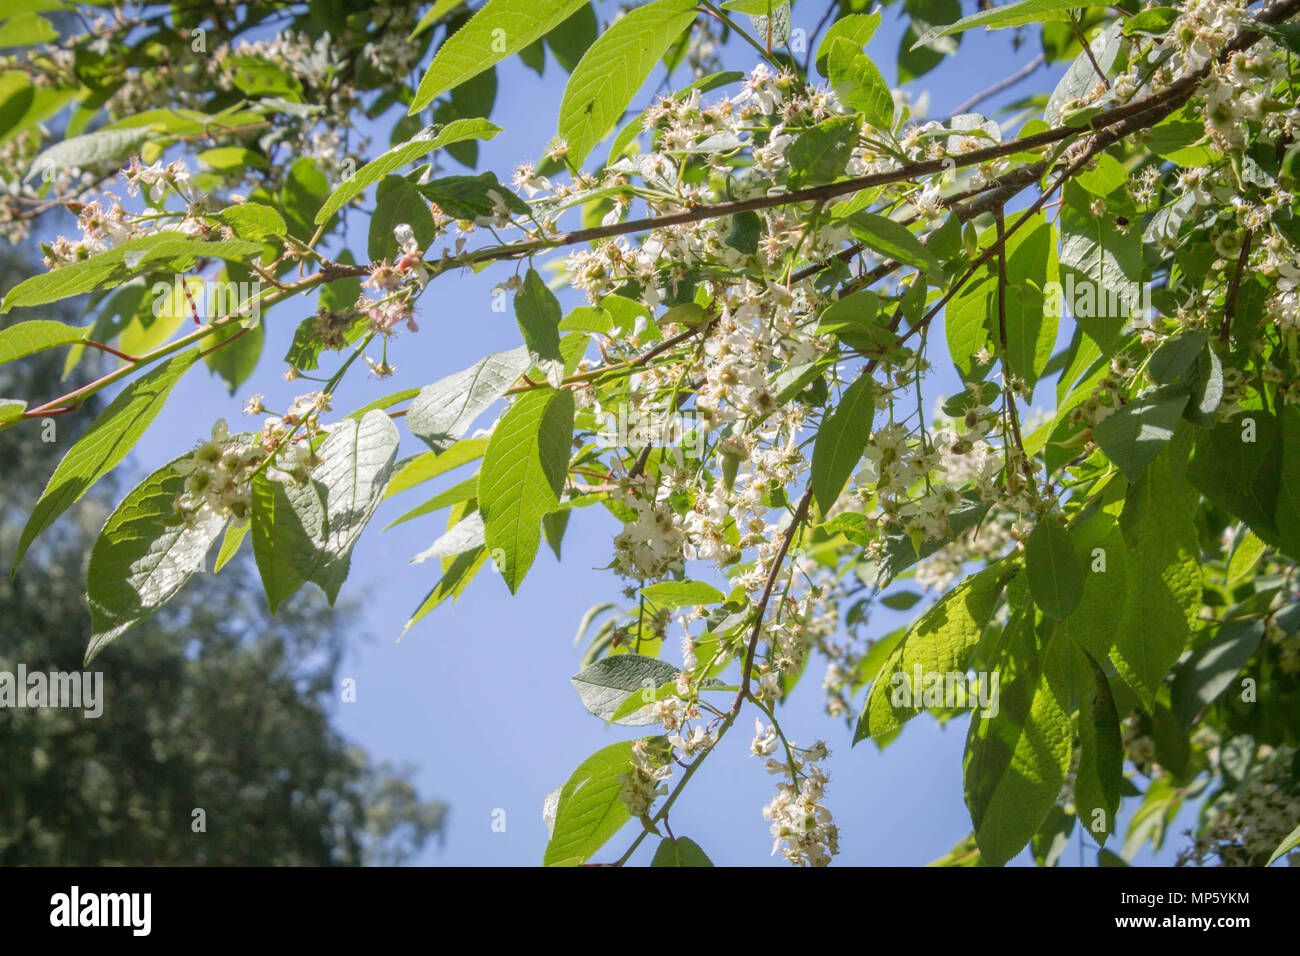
477,694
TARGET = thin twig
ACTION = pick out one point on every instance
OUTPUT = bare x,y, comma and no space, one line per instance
999,86
1230,300
800,512
1008,393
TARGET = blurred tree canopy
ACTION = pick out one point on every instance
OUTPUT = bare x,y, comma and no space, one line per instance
215,706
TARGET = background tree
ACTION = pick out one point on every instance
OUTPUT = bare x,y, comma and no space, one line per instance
219,706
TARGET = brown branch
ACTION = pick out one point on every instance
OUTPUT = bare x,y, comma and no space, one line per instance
1008,393
1230,300
1087,49
800,512
110,350
1158,105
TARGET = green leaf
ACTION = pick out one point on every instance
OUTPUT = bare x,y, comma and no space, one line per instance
1286,846
11,411
89,150
253,221
1286,34
1287,514
397,202
473,98
465,534
614,68
606,684
444,411
538,313
1134,435
1247,549
498,29
1164,580
858,83
1234,465
435,13
1053,837
1030,332
463,491
675,594
468,197
306,531
1101,546
1211,669
1016,759
1101,750
117,265
553,526
1153,20
853,320
926,14
143,556
858,28
16,96
454,580
894,240
819,155
1205,381
680,852
1103,262
1006,15
105,443
572,38
230,544
430,464
1180,138
26,29
386,402
423,143
1104,178
1056,575
1081,76
840,441
305,189
288,528
590,810
1176,357
966,328
28,338
356,461
940,642
522,476
901,601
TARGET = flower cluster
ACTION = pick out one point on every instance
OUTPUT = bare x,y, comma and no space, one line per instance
801,824
646,779
217,477
397,283
105,223
303,414
1244,826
